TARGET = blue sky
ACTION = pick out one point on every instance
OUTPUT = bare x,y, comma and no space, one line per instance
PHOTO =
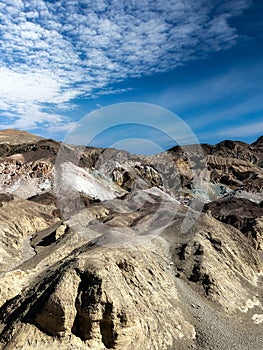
200,59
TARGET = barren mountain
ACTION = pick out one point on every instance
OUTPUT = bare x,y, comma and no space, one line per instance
16,137
102,249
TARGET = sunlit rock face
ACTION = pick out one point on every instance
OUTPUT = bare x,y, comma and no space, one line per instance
101,249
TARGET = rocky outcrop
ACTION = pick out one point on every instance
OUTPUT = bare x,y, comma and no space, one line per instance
233,164
128,171
238,150
25,178
100,299
240,213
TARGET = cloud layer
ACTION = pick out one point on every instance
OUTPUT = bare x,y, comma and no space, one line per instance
54,51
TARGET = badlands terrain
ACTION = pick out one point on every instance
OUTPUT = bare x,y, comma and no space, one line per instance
102,249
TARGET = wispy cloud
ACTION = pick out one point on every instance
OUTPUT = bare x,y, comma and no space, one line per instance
234,80
243,130
54,51
232,95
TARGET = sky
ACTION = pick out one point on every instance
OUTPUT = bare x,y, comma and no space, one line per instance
201,60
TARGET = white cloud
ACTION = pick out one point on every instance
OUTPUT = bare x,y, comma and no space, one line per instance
52,52
28,87
61,128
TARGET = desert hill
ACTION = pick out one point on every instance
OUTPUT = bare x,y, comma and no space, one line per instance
101,249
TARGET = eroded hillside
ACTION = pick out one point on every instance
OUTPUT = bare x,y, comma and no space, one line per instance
101,249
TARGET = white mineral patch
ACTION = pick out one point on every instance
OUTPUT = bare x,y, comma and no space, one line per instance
45,186
257,318
250,304
81,180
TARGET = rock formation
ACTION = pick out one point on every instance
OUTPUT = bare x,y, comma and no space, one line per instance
101,249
